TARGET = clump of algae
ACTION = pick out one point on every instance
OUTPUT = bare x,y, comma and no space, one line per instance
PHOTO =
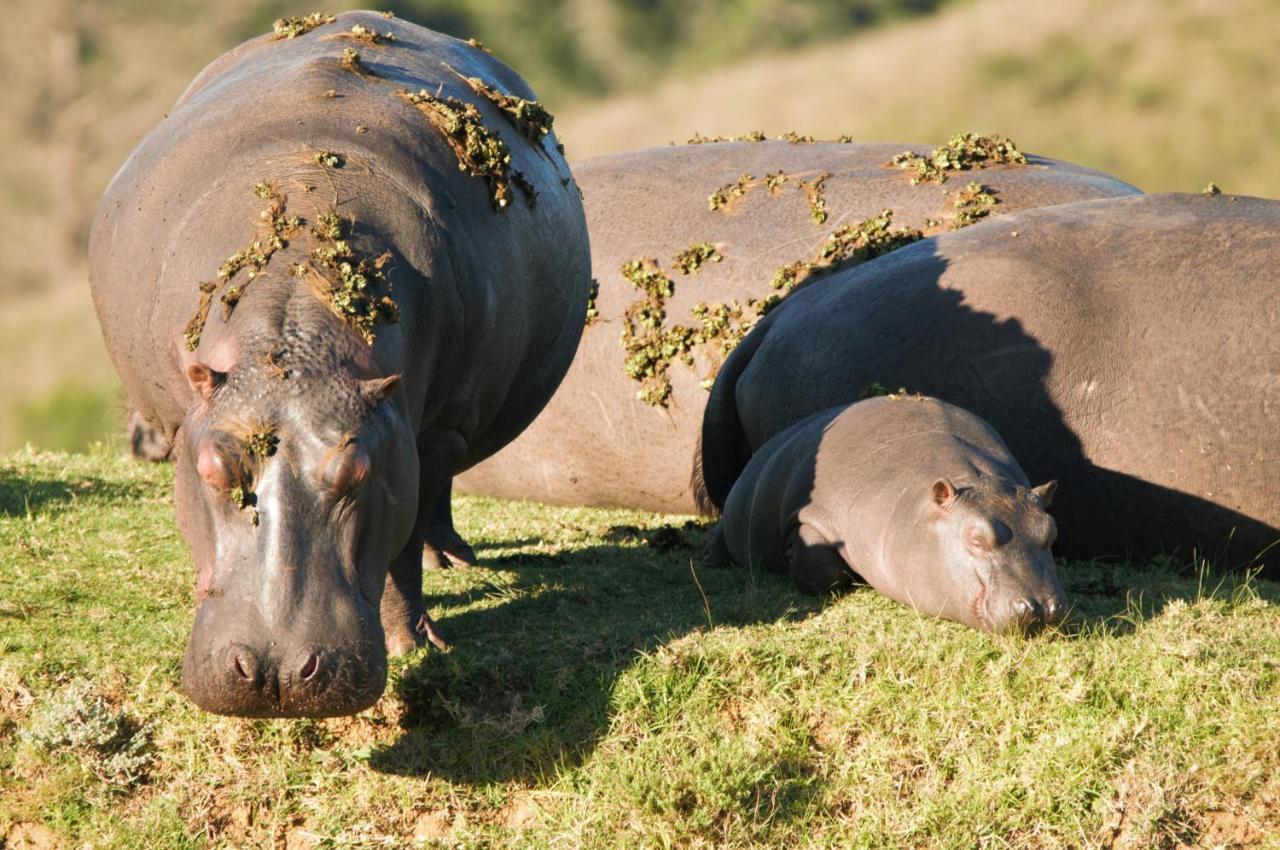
723,197
963,152
350,61
274,230
480,151
1212,189
795,138
972,204
753,136
297,25
812,189
774,182
529,117
353,284
367,35
593,312
690,260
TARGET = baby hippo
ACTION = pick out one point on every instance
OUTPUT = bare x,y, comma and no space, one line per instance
918,498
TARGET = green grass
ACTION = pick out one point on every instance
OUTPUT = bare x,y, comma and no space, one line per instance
594,699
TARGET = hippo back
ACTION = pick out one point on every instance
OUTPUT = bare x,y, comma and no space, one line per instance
597,443
1125,346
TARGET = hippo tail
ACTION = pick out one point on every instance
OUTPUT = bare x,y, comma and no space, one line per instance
723,452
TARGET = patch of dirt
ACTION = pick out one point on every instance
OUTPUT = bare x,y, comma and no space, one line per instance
1146,812
520,812
1222,829
433,825
31,836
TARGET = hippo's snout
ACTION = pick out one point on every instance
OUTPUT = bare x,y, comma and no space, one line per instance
1028,614
311,681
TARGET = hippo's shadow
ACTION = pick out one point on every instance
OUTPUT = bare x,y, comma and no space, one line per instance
21,496
527,687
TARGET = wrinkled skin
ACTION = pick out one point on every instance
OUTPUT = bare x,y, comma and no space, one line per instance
596,443
1126,347
919,499
309,550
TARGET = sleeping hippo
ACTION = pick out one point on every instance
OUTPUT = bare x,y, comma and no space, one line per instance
920,499
1125,346
720,225
350,263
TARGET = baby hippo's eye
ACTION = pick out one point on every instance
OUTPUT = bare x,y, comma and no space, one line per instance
345,469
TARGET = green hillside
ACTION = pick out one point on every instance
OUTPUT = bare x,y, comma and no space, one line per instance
605,692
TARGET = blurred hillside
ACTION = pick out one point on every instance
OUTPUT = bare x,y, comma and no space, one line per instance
1167,94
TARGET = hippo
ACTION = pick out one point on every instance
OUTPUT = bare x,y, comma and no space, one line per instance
350,263
918,498
718,241
1124,346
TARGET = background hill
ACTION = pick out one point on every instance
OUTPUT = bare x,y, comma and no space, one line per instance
1167,94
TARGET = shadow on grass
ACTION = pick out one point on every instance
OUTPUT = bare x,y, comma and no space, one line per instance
21,495
527,688
1119,597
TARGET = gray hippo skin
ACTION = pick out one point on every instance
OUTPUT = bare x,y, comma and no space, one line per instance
919,499
1126,347
380,316
596,443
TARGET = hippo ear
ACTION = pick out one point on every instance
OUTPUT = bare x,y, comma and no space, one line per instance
1045,492
944,493
376,390
205,380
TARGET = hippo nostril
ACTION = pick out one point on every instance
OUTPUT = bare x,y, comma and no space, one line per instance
1027,612
310,666
244,664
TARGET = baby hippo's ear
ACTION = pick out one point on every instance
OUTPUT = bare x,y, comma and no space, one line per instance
944,493
1045,492
376,390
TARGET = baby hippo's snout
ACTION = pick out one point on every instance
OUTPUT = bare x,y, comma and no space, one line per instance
1029,614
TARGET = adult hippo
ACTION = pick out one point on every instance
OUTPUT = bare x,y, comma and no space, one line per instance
599,442
350,263
917,497
1125,346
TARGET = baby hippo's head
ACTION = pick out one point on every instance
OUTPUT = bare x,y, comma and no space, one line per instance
994,538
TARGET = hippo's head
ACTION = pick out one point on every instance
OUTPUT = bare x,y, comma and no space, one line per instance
295,488
993,539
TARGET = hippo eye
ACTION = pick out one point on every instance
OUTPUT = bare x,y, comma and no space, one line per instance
345,468
217,468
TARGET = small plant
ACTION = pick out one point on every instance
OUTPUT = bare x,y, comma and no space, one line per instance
691,259
295,26
527,116
774,182
1212,189
77,720
262,442
350,61
351,282
795,138
592,312
367,35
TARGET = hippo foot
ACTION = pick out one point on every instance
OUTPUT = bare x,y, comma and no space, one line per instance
716,552
405,639
447,549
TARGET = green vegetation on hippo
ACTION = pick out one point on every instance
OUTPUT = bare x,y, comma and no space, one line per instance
275,229
972,204
723,197
296,25
753,136
812,189
480,151
593,311
650,347
350,61
963,152
261,441
355,296
367,35
795,138
774,182
690,260
528,116
1211,189
328,159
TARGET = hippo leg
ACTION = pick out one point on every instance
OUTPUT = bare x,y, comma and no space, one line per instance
443,546
716,551
815,562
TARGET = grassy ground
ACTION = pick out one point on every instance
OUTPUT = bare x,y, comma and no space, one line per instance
595,697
